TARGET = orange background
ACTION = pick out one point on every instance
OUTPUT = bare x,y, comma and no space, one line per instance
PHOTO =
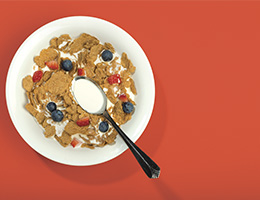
204,131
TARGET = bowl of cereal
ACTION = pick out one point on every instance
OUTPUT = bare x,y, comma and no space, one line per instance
39,98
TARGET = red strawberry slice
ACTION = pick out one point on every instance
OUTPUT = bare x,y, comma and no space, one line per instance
52,64
83,121
115,78
123,97
81,72
37,76
75,142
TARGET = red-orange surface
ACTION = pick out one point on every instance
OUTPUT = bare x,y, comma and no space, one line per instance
204,132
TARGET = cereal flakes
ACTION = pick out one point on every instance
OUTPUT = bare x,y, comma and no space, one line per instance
84,52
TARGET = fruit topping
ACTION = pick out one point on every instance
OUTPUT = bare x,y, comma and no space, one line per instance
128,107
75,142
52,64
81,72
66,65
51,106
103,126
123,97
107,55
115,78
57,115
37,76
83,121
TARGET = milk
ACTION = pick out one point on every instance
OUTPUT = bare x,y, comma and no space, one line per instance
88,95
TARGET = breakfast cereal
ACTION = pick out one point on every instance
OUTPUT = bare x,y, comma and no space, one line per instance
52,104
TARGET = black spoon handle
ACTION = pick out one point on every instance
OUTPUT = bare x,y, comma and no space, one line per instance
151,169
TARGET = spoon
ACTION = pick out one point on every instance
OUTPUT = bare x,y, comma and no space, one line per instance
98,101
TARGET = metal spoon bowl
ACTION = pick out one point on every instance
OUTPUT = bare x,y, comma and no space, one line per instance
151,169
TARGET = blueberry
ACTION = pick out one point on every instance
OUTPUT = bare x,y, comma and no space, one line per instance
51,106
127,107
107,55
103,126
57,115
66,65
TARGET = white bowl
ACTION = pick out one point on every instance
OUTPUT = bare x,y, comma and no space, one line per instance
21,66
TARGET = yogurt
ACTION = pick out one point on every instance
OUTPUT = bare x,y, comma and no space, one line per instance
88,96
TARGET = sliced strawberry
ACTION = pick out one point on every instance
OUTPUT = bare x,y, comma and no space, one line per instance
37,76
81,72
83,121
123,97
75,142
115,78
52,64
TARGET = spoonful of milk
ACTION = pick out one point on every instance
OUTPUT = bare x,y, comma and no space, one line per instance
94,101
